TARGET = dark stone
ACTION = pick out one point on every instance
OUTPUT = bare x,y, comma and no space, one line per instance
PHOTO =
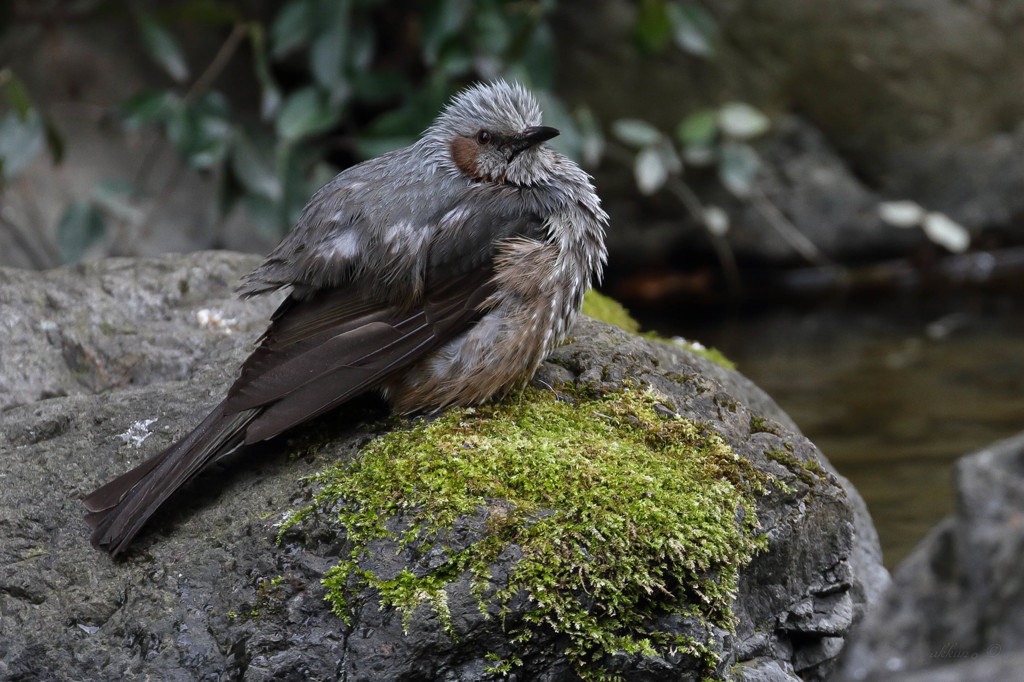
956,606
206,593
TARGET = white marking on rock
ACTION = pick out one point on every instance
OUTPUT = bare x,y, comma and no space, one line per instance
137,433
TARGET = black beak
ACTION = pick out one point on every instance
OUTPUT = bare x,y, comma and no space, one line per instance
528,138
538,134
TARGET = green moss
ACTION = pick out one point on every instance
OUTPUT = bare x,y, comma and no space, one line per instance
268,600
622,516
606,309
601,307
759,424
307,443
711,353
809,472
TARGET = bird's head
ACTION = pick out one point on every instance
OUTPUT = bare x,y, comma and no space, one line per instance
492,132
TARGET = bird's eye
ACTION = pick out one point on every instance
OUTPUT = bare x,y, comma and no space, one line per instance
483,137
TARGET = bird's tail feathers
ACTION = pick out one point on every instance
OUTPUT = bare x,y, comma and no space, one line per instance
119,509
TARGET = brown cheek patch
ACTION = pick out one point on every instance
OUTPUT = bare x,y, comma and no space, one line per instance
463,152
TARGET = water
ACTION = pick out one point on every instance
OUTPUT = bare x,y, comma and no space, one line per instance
892,392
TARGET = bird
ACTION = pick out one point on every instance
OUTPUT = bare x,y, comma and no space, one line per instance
440,274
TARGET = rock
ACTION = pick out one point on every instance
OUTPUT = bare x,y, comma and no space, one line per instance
802,176
955,610
98,327
207,593
900,102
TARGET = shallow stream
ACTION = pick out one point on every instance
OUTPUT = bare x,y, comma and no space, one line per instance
892,392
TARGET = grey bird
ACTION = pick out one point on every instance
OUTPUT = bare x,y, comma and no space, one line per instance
439,274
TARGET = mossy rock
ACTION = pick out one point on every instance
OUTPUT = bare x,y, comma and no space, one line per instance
616,512
205,592
607,309
599,525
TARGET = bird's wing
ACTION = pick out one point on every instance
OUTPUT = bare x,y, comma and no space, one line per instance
368,226
320,352
390,238
468,235
328,346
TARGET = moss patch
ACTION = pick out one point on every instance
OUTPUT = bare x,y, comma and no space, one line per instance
711,353
601,307
810,472
622,515
759,424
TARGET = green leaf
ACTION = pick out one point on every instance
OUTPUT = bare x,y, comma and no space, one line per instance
391,130
266,215
273,216
401,121
327,62
557,116
455,62
305,112
20,141
15,94
945,232
118,188
539,56
492,31
292,170
740,121
379,85
901,213
253,166
652,28
716,220
291,28
270,93
649,170
118,198
149,107
19,101
737,168
362,47
81,226
635,132
329,49
202,133
699,128
163,48
700,155
669,155
591,138
441,20
693,29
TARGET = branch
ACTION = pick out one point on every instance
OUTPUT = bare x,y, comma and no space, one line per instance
786,229
217,64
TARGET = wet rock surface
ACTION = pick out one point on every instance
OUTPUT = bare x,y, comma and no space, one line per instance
955,610
206,593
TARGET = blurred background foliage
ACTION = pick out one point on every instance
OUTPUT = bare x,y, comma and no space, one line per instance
334,82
